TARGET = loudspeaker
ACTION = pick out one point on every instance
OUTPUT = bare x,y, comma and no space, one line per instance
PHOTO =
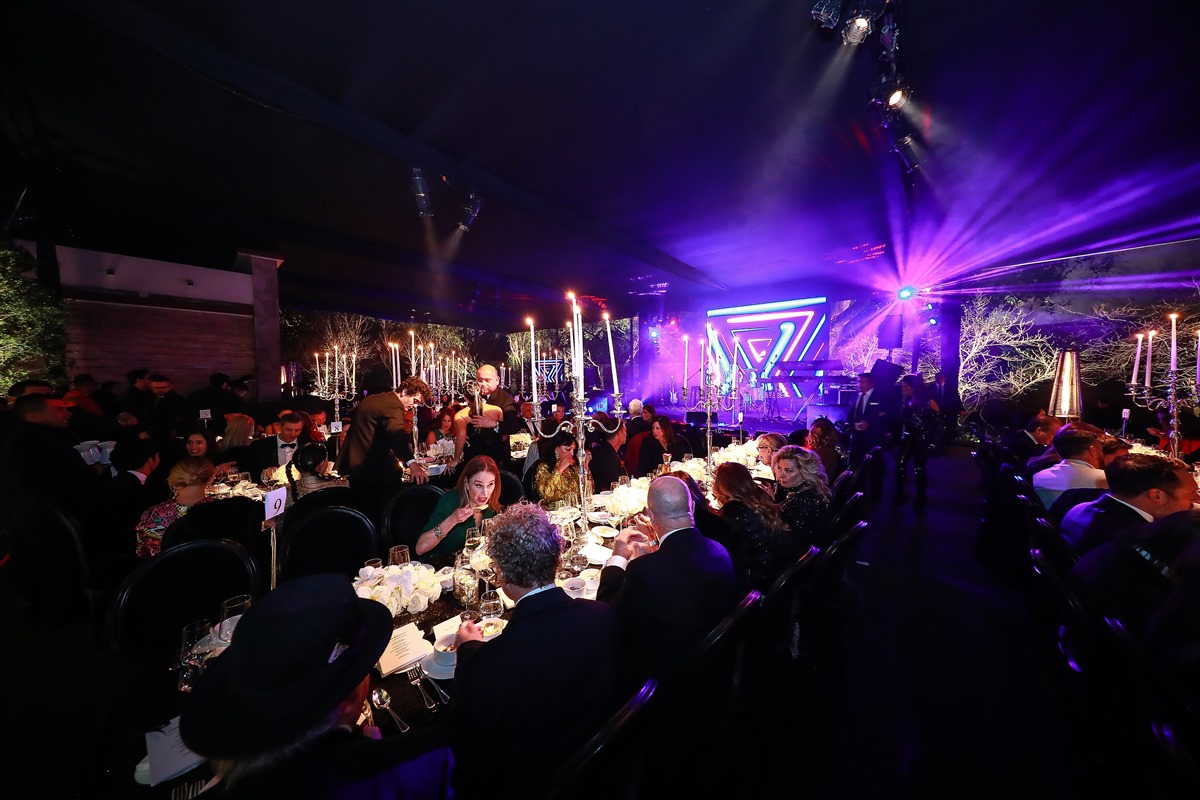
831,412
886,373
891,332
696,418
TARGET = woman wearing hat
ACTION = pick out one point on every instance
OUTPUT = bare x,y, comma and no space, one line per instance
276,712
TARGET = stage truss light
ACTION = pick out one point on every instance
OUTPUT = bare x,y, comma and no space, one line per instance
470,212
903,140
420,190
860,21
891,92
827,13
906,293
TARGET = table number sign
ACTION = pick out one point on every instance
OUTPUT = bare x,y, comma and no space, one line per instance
206,414
275,501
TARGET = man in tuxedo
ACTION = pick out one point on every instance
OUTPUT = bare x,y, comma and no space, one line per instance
669,585
117,506
271,452
1032,440
1141,489
555,652
377,444
949,405
606,465
528,425
167,407
137,399
869,420
487,436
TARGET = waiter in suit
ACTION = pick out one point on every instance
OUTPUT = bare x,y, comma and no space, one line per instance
669,585
556,652
271,452
378,444
487,429
869,420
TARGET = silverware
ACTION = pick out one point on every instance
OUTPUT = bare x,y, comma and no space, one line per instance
414,677
187,791
382,700
441,692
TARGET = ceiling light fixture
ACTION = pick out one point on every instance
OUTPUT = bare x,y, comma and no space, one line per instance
906,293
891,92
863,14
470,212
420,190
903,140
827,12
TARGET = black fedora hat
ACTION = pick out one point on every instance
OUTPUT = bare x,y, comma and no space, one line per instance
298,652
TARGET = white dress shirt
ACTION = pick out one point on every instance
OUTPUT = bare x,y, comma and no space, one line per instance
285,454
1070,473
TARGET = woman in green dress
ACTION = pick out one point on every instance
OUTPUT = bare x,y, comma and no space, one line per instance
475,498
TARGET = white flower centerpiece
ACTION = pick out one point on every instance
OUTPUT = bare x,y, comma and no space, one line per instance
406,587
1142,449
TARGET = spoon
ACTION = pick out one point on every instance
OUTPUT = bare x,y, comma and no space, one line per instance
382,700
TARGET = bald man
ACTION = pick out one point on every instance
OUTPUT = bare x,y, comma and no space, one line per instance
668,583
484,431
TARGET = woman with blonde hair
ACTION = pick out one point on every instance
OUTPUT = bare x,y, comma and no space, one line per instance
762,545
189,480
803,495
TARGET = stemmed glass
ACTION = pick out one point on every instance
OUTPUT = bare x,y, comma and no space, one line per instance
231,613
490,604
191,660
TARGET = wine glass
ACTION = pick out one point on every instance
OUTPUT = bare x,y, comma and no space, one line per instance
231,613
490,604
488,576
470,615
191,658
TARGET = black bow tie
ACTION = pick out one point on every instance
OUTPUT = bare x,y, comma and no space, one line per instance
283,446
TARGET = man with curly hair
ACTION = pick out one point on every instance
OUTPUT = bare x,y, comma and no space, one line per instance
508,726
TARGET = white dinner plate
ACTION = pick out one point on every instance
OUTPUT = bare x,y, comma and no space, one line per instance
600,517
605,531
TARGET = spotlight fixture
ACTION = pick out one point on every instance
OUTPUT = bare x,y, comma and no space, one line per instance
906,293
470,212
420,190
827,12
892,92
859,21
933,320
903,139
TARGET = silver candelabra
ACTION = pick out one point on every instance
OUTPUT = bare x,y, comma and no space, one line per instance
1145,397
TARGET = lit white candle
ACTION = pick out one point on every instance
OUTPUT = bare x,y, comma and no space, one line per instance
1149,354
532,361
1174,317
317,359
1137,358
336,371
685,363
327,366
611,354
412,352
354,373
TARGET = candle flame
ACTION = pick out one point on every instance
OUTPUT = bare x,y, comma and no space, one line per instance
529,320
570,295
606,316
1172,316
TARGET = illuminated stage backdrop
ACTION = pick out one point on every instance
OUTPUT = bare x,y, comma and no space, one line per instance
767,334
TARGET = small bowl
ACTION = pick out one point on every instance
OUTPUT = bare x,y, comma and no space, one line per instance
492,627
575,587
445,653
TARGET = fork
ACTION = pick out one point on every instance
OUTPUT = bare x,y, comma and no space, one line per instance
187,791
414,677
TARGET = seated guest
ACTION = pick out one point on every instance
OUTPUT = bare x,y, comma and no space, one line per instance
38,463
1032,440
798,437
823,440
708,522
1111,446
1131,577
606,465
555,653
269,453
803,496
768,445
117,506
1081,466
239,432
762,546
475,498
556,477
640,417
1141,489
667,597
1189,432
308,472
276,715
188,480
443,428
199,442
662,442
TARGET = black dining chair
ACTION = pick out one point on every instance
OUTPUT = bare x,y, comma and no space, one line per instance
530,485
322,498
406,512
846,517
332,539
841,489
780,605
511,489
238,519
608,765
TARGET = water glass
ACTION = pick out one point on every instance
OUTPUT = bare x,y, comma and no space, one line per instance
191,659
398,555
231,613
466,587
470,615
374,563
623,480
490,605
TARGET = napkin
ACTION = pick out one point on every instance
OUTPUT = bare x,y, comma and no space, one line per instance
596,553
169,756
406,646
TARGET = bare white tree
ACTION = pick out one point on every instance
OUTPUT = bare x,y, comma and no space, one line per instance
1002,354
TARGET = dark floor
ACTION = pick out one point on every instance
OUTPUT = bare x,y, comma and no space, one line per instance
939,693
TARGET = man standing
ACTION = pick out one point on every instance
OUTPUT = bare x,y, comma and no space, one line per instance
869,419
271,452
486,429
555,653
167,408
1141,489
377,446
669,588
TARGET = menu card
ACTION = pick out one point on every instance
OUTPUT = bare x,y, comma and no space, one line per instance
169,756
406,646
447,627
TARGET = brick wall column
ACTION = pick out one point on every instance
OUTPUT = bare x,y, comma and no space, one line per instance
264,272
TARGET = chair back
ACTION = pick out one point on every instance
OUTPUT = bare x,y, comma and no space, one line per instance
715,669
781,602
1071,498
406,512
840,489
330,496
1043,535
238,519
608,764
861,474
1066,618
529,484
175,587
846,517
332,539
511,490
633,450
829,573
